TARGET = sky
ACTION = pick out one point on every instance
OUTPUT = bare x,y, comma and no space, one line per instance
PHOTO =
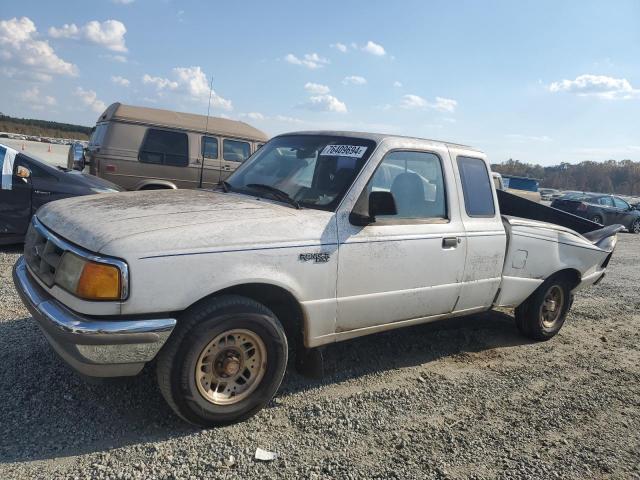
542,82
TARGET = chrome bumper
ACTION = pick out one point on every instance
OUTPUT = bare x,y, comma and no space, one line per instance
98,348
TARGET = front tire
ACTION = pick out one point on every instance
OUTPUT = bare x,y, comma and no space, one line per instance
542,315
224,362
597,219
635,226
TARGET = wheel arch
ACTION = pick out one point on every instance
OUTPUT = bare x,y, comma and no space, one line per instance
573,276
155,185
279,300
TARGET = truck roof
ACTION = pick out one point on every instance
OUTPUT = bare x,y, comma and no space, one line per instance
184,121
378,137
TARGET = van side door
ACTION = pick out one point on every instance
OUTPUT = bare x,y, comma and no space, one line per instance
405,266
234,152
485,233
210,154
164,155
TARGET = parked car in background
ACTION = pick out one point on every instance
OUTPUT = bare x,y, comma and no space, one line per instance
548,194
318,238
29,183
599,208
143,148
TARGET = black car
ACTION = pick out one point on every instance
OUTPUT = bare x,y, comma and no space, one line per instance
28,183
602,209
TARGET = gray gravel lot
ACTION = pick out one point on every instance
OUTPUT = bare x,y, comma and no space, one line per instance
467,398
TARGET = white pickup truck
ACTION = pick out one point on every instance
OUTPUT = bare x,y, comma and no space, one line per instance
317,238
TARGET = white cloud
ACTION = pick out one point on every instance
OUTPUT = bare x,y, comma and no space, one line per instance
18,43
341,47
309,60
123,82
159,82
109,34
284,118
415,102
325,103
37,101
18,74
445,105
600,86
190,82
354,80
254,116
374,49
90,99
529,138
316,88
397,84
115,58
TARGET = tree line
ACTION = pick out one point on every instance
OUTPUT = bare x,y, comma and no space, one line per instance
612,176
43,128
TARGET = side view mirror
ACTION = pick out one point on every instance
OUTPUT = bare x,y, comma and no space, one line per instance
367,208
23,172
76,159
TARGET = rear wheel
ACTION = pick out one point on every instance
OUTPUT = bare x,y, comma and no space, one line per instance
224,362
597,219
635,226
542,315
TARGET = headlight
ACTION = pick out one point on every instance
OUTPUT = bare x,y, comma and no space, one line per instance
89,280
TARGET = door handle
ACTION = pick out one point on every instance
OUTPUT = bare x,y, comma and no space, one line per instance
450,242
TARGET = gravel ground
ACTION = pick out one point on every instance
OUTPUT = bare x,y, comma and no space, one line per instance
467,398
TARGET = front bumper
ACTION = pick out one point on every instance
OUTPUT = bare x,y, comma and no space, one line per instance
94,347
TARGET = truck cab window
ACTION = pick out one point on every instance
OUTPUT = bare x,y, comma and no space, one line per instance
210,147
416,182
476,187
165,147
235,151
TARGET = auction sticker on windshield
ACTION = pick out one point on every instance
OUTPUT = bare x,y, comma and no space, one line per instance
355,151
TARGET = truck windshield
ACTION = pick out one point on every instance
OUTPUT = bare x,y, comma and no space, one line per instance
313,170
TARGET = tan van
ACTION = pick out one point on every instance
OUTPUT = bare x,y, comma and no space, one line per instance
143,148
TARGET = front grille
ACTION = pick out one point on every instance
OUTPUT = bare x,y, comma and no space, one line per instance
42,254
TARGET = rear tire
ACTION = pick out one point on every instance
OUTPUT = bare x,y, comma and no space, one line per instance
635,226
224,362
542,315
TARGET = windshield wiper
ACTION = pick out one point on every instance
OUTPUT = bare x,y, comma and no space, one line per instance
279,194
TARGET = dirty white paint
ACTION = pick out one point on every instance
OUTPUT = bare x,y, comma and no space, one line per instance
183,245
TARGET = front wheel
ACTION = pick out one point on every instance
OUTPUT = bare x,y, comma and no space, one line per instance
597,219
224,362
635,226
542,315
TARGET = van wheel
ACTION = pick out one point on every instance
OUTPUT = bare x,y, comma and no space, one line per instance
224,362
542,315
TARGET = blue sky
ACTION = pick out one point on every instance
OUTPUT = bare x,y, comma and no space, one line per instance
542,81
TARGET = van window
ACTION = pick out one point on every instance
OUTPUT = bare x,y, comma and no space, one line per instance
210,147
476,187
235,151
165,147
97,137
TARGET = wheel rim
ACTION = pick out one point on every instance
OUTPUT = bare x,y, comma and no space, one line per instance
597,219
231,366
552,306
636,226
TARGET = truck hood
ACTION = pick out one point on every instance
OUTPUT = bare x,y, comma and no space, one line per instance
167,222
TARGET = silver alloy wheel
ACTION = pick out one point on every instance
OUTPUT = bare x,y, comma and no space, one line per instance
231,366
597,219
636,226
551,308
